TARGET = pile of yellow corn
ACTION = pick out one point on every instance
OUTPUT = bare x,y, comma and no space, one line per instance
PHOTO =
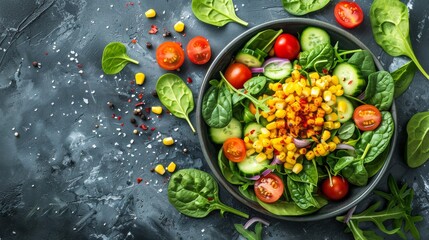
299,108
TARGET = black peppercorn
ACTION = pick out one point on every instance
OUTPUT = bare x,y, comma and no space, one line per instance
154,93
110,104
149,45
133,120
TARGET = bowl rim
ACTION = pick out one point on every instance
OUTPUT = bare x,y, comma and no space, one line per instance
374,180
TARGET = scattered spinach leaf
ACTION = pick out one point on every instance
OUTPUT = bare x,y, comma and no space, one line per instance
403,77
385,87
176,96
217,105
418,139
364,61
319,58
302,7
216,12
195,194
115,58
390,27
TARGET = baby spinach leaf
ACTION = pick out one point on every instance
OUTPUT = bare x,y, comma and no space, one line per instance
307,175
284,208
356,173
346,130
374,167
176,96
342,163
255,85
319,58
403,77
364,61
115,58
216,12
229,173
247,192
390,27
302,194
418,140
385,88
217,106
195,194
248,234
264,40
302,7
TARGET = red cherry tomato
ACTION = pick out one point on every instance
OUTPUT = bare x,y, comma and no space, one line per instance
348,14
237,74
170,56
367,117
269,188
234,149
198,50
287,46
337,190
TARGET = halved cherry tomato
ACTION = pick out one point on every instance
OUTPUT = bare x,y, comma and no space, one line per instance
337,190
170,56
287,46
237,74
348,14
269,188
198,50
367,117
234,149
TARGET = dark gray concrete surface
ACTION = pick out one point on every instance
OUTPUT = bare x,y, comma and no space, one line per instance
71,173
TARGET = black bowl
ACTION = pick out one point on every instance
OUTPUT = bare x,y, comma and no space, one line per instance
210,150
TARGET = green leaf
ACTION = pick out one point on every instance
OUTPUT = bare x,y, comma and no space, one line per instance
402,77
307,175
176,96
319,58
385,87
217,106
302,7
115,58
284,208
216,12
364,61
263,41
418,140
302,194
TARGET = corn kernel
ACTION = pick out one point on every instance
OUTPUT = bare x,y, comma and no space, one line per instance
264,133
280,113
337,125
249,145
328,125
327,95
160,169
295,75
302,151
266,142
336,140
171,167
271,118
314,75
306,91
280,105
257,145
288,166
250,152
290,160
315,91
150,13
332,117
157,109
168,141
261,157
342,106
332,146
139,77
291,147
334,80
326,135
326,108
278,147
339,92
179,26
318,121
297,168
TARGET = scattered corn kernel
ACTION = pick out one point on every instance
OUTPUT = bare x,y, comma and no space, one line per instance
179,26
150,13
171,167
168,141
160,169
139,77
157,109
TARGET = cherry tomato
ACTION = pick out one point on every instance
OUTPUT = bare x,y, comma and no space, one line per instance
170,56
269,188
234,149
367,117
348,14
287,46
237,74
198,50
338,189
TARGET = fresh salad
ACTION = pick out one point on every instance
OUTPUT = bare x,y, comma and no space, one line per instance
299,120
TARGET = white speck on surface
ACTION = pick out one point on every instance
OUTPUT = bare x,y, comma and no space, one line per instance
203,230
410,4
85,100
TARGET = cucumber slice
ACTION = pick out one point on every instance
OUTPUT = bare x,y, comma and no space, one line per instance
350,78
344,112
249,57
313,36
278,70
249,167
220,135
252,130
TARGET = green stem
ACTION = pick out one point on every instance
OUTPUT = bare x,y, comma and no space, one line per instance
357,234
190,124
368,146
414,58
354,98
226,208
238,20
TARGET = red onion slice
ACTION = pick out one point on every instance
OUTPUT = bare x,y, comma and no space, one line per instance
276,161
300,143
266,172
254,178
253,220
349,215
343,146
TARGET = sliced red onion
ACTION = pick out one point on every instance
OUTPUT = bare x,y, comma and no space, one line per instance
253,220
300,143
276,161
343,146
349,215
254,178
266,172
361,96
269,61
257,70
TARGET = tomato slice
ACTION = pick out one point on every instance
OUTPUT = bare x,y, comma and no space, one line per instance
348,14
234,149
269,188
367,117
198,50
337,190
237,74
170,56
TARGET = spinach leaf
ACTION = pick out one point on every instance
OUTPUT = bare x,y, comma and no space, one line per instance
284,208
342,163
385,88
403,77
373,143
264,40
229,173
248,234
176,96
302,7
247,192
216,12
115,58
374,167
346,130
195,194
302,194
217,106
307,175
364,61
255,85
418,139
355,173
390,27
319,58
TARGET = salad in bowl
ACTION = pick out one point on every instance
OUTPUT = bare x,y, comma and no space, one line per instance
296,119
